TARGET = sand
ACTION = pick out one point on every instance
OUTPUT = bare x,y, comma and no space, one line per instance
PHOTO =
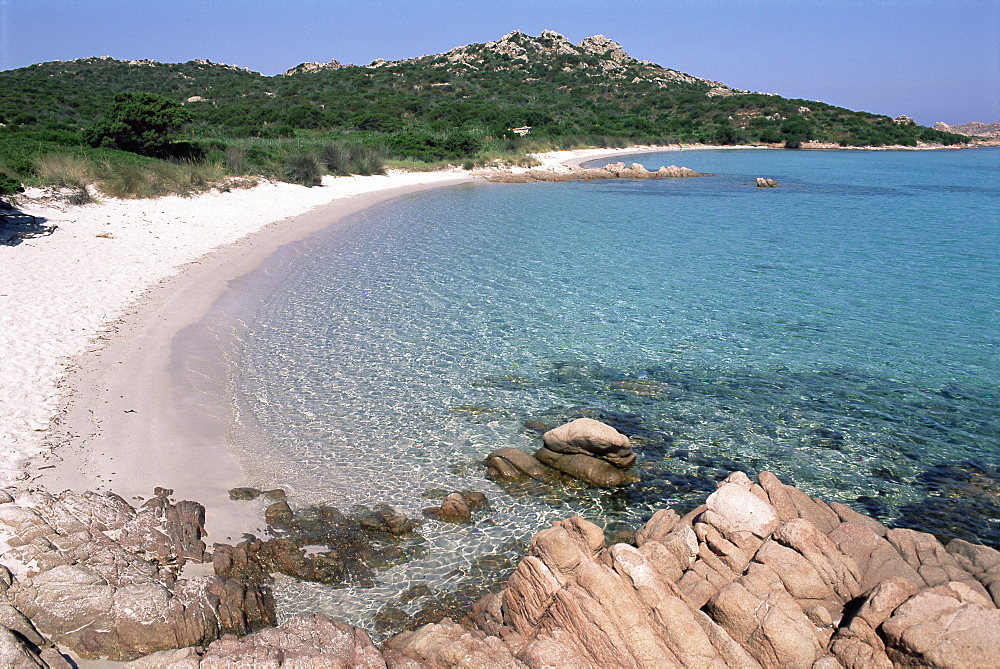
110,380
88,317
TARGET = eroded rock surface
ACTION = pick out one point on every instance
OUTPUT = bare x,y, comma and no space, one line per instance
760,575
96,575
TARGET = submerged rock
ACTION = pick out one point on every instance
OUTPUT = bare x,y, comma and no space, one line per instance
322,544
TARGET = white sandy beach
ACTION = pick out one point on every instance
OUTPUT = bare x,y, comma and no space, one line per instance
60,293
104,298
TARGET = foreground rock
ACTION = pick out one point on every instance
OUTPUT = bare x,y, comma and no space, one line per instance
95,575
584,449
760,575
611,171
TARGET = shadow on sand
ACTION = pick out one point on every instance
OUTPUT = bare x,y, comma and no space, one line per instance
16,226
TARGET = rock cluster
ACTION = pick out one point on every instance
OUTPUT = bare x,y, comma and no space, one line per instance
584,449
342,547
94,574
764,182
760,575
613,171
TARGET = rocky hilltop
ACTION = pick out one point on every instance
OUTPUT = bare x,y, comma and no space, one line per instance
973,128
595,56
760,575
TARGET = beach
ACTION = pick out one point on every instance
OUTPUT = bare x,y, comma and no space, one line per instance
91,310
89,315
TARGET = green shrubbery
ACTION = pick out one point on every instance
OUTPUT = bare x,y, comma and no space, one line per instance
143,123
419,114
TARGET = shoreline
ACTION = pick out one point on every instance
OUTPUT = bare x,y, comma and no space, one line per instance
116,396
120,349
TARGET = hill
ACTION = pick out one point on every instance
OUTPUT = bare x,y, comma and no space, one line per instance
463,104
973,128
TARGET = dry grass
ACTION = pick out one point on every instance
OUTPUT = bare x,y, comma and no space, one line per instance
127,180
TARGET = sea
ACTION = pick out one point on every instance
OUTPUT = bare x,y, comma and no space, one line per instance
841,330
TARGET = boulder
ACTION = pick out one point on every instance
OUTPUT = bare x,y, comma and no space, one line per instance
593,471
458,506
512,463
763,182
310,640
587,436
104,579
950,625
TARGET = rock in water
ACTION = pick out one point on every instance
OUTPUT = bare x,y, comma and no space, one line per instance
591,437
763,182
760,576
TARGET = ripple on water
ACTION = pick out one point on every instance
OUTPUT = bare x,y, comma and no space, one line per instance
842,338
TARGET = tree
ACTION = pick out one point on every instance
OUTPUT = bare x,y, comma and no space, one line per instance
143,123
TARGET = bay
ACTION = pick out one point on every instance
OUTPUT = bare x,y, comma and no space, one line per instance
840,330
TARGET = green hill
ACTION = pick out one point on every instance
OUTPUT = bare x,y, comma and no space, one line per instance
462,104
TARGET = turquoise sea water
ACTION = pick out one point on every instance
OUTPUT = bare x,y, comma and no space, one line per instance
841,330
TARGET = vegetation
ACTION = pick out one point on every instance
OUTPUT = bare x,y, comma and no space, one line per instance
454,108
143,123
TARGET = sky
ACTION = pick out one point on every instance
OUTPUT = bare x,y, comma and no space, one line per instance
933,60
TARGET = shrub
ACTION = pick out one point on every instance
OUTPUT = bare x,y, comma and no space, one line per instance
62,169
143,123
9,185
336,158
304,168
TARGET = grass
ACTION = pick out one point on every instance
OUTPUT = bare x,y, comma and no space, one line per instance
128,179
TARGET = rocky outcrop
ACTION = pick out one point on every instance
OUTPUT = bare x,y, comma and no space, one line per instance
764,182
584,449
613,171
761,575
96,575
973,128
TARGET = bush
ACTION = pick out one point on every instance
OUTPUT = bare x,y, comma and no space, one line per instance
143,123
61,169
9,185
304,168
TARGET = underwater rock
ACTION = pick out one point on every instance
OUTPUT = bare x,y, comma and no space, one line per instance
458,507
322,544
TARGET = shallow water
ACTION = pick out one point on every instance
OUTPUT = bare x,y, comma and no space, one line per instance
840,330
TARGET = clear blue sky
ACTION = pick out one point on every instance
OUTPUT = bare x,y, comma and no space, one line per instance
934,60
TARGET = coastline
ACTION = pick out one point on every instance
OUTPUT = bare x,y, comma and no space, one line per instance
93,329
109,309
